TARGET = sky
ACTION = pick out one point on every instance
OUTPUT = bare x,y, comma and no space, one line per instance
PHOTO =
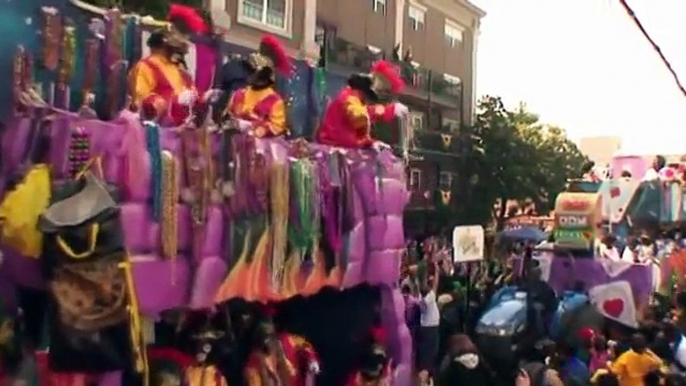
584,65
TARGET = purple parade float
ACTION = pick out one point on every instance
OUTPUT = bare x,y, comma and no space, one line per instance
356,200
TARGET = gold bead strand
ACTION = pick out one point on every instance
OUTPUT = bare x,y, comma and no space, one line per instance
170,210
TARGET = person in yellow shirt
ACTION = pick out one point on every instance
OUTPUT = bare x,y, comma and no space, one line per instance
632,366
258,108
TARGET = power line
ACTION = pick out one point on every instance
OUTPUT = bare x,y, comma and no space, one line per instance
655,46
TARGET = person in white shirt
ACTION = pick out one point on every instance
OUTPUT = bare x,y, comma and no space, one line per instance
427,350
646,249
653,173
630,254
607,250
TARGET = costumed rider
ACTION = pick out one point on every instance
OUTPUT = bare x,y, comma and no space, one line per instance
279,358
258,108
349,117
374,368
159,85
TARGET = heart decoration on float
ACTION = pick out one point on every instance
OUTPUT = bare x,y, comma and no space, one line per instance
615,301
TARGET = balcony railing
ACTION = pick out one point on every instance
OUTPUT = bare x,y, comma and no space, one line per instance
429,81
358,57
352,55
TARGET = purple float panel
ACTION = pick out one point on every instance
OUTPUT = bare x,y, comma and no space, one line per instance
562,273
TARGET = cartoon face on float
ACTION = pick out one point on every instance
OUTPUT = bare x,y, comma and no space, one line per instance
577,220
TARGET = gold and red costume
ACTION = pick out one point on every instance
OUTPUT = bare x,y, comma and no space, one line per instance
265,109
259,103
296,349
349,117
157,81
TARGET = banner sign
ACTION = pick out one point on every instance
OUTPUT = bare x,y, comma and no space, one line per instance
468,243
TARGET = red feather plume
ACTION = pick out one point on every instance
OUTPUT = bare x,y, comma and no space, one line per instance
170,354
391,73
270,46
379,335
189,17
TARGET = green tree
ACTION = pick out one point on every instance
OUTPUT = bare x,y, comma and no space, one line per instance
512,156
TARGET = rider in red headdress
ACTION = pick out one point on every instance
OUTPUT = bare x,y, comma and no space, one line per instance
348,119
159,84
258,108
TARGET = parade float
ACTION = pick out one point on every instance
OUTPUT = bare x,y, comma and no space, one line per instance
117,227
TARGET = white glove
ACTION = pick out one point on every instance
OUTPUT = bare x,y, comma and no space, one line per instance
400,110
313,367
243,125
187,97
380,146
212,95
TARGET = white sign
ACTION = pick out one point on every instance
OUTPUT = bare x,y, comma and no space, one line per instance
468,243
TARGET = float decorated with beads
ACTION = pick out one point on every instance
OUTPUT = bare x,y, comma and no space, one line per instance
145,201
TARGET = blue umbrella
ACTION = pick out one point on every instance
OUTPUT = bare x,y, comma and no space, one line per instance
524,234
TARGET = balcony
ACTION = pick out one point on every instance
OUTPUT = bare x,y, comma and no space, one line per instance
343,56
432,146
350,55
430,83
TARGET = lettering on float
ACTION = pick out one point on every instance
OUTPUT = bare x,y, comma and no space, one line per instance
573,219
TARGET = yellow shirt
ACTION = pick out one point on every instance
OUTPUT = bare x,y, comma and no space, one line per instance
276,122
143,82
631,367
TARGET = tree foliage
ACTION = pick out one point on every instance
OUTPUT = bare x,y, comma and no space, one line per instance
513,156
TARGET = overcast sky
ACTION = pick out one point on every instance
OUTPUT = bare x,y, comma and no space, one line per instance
583,65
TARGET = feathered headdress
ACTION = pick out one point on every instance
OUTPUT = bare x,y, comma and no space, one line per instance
386,77
271,55
187,19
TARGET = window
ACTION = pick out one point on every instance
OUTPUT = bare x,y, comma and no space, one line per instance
450,125
453,34
445,180
416,14
379,6
416,121
272,14
415,180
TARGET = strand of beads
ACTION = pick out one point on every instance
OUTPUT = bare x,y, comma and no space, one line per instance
79,151
152,132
